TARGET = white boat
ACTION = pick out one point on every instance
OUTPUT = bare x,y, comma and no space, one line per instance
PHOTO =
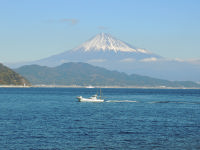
94,98
91,99
89,87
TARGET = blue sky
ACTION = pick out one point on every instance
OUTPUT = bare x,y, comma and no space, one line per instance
34,29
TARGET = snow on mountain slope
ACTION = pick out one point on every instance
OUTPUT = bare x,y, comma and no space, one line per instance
101,48
105,42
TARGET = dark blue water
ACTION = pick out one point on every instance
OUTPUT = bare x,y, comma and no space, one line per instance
51,118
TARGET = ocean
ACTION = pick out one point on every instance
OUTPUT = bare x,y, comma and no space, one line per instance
53,119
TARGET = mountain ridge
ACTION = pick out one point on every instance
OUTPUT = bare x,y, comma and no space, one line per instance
84,74
10,77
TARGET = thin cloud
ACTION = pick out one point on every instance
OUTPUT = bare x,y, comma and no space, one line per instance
191,60
152,59
179,60
69,21
103,28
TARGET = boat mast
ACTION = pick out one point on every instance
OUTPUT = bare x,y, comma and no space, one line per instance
100,93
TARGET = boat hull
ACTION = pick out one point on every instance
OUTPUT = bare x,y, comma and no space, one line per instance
81,99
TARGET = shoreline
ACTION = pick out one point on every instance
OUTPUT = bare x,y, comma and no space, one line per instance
91,87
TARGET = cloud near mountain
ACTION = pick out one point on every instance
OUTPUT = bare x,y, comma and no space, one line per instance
149,59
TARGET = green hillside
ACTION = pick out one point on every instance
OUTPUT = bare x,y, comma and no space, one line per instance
9,77
84,74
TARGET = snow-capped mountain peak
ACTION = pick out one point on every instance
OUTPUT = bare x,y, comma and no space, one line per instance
104,42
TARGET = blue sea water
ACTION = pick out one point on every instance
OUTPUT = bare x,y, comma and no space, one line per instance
51,118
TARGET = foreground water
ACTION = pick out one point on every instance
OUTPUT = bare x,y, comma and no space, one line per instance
51,118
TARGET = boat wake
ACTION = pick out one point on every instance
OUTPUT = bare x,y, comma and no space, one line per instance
121,101
153,102
176,102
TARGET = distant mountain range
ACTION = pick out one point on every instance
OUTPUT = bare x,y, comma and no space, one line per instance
104,50
85,74
9,77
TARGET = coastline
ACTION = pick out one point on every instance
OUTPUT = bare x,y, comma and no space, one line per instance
90,87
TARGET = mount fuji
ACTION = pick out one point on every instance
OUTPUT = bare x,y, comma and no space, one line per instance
101,48
106,51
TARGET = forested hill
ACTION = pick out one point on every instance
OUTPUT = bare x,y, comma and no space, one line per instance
84,74
10,77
